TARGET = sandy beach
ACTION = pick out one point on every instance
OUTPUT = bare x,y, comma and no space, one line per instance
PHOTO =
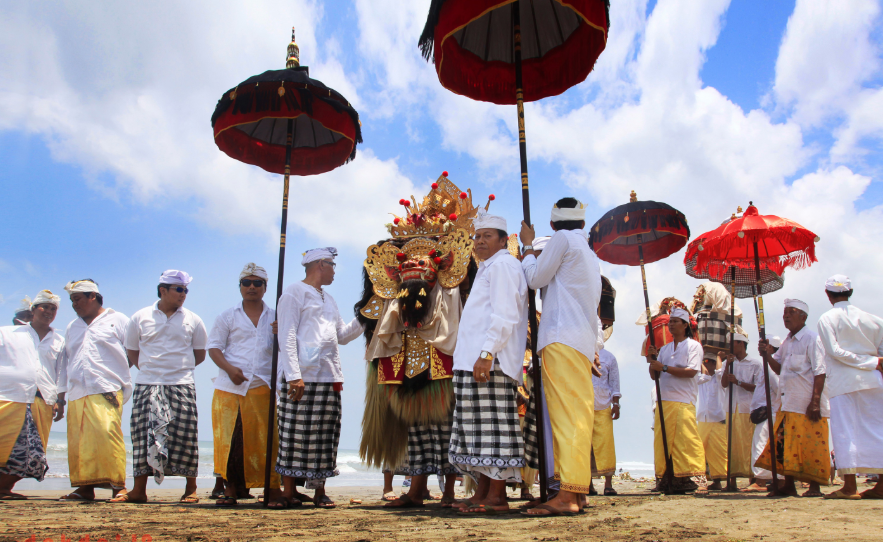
636,514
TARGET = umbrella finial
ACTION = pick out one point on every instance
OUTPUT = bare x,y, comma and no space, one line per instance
293,53
739,209
633,197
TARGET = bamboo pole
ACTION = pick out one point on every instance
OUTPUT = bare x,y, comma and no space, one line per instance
731,486
761,329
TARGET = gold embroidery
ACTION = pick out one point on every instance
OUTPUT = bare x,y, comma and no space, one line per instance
417,354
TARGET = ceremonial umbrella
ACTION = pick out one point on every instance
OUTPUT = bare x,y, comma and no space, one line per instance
639,233
506,53
285,122
767,244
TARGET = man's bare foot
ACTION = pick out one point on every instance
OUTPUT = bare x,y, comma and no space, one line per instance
7,495
86,493
129,497
756,488
715,486
405,501
558,504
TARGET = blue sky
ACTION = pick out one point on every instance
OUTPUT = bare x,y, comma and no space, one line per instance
109,170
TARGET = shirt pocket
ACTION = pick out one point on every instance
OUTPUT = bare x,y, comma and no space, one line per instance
796,363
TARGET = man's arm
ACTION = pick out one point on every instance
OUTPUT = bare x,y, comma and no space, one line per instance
836,352
814,410
613,383
199,356
199,341
217,343
287,315
766,352
235,373
346,332
539,272
133,358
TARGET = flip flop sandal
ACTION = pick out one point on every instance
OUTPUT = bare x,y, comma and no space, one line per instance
283,504
870,494
13,497
325,502
448,503
406,503
74,496
226,501
217,494
809,495
390,496
609,492
125,498
553,512
189,499
480,510
839,494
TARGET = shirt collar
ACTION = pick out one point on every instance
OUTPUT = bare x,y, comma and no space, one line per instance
799,335
264,310
156,307
842,304
496,256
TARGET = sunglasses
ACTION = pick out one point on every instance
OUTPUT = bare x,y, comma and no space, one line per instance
256,282
178,289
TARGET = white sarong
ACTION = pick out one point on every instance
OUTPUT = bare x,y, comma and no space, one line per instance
758,443
857,431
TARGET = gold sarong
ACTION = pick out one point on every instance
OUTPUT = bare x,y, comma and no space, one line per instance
254,409
602,444
96,451
12,419
570,398
802,448
714,441
743,435
684,444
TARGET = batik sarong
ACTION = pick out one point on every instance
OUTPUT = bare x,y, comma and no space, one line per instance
801,448
27,458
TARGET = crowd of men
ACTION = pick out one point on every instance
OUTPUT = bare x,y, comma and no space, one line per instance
83,374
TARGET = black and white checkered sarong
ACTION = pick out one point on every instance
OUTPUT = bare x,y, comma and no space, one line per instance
485,432
531,438
309,431
178,441
428,450
713,328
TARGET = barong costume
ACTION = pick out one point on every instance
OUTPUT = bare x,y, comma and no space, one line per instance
486,437
28,376
310,330
569,335
853,342
164,418
748,370
678,403
762,429
605,387
802,445
239,410
95,376
414,286
711,416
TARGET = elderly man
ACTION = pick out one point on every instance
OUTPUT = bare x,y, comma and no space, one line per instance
310,330
165,342
569,336
29,361
95,377
241,345
801,429
743,372
486,439
853,342
23,315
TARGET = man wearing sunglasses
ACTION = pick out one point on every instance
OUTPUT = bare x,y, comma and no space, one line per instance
165,342
241,345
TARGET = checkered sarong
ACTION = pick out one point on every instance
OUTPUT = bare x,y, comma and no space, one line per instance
713,328
309,431
174,441
428,450
531,438
486,432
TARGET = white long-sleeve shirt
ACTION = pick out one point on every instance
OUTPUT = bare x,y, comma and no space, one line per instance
165,345
310,330
758,398
95,359
244,345
607,385
570,271
710,405
495,316
853,342
28,364
686,355
747,370
802,359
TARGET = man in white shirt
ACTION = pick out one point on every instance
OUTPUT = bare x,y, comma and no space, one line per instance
607,394
569,336
763,477
241,345
95,377
711,415
743,372
310,330
801,427
487,443
853,342
165,342
29,360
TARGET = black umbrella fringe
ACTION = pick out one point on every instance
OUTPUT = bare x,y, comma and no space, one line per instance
427,38
640,223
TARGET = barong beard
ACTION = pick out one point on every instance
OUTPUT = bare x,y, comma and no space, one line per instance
414,302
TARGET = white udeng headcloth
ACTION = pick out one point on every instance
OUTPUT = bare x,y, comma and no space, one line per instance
316,254
576,213
678,312
838,283
797,304
484,220
175,277
251,269
776,342
24,305
81,287
540,243
45,296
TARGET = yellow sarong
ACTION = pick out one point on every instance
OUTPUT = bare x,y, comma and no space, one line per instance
714,441
253,407
12,418
603,447
684,444
743,434
570,398
96,451
803,445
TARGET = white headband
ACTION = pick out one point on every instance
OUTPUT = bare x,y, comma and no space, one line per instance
740,337
81,287
576,213
838,283
175,277
45,296
540,243
797,304
483,220
776,342
678,312
24,305
316,254
252,269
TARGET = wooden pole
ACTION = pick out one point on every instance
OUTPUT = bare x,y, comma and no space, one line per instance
761,330
531,294
271,419
731,486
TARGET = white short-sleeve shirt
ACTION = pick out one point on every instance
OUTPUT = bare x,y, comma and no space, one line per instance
166,345
28,364
687,355
802,358
245,346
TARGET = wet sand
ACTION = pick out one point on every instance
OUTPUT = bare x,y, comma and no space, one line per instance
636,514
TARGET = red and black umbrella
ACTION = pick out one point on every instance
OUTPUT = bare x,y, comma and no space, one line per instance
766,245
639,233
285,122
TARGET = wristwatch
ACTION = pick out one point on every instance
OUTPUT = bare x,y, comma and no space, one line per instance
665,368
487,356
525,248
738,383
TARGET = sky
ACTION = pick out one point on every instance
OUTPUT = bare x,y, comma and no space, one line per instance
108,168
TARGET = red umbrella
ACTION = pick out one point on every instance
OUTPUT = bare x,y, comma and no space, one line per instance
766,243
638,233
507,52
285,122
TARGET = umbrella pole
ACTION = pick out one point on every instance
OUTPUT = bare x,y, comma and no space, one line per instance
761,330
669,467
531,294
271,418
731,486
